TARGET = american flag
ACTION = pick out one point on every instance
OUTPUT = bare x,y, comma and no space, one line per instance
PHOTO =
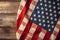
38,20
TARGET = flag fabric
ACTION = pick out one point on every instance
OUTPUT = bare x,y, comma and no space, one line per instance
38,20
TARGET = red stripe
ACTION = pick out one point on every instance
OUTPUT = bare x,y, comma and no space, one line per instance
21,16
36,34
58,36
25,32
47,36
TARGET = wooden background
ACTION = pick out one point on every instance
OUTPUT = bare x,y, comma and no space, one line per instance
8,14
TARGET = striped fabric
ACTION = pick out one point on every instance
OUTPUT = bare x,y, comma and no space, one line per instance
30,29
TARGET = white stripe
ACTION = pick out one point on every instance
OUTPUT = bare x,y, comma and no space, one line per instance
55,32
29,13
22,27
56,29
18,35
25,20
23,3
52,37
58,22
32,7
31,32
36,0
41,35
19,11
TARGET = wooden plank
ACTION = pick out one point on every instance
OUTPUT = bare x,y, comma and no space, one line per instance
8,39
7,32
8,21
9,7
8,15
11,0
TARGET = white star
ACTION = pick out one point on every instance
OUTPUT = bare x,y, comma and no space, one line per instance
54,11
51,18
34,15
49,6
42,12
41,8
39,20
38,12
45,5
52,26
50,10
57,0
48,21
49,29
41,4
55,19
47,17
40,24
54,7
49,1
54,3
44,25
31,18
58,4
52,22
55,15
50,14
37,7
39,16
44,0
35,19
46,9
59,12
43,20
48,25
43,17
40,0
46,13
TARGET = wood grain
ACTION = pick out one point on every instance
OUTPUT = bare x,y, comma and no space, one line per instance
11,0
8,19
8,15
7,32
9,7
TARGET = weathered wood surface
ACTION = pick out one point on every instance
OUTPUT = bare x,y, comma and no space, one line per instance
8,7
7,33
8,15
8,19
11,0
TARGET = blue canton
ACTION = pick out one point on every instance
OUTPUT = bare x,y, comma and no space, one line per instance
46,14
